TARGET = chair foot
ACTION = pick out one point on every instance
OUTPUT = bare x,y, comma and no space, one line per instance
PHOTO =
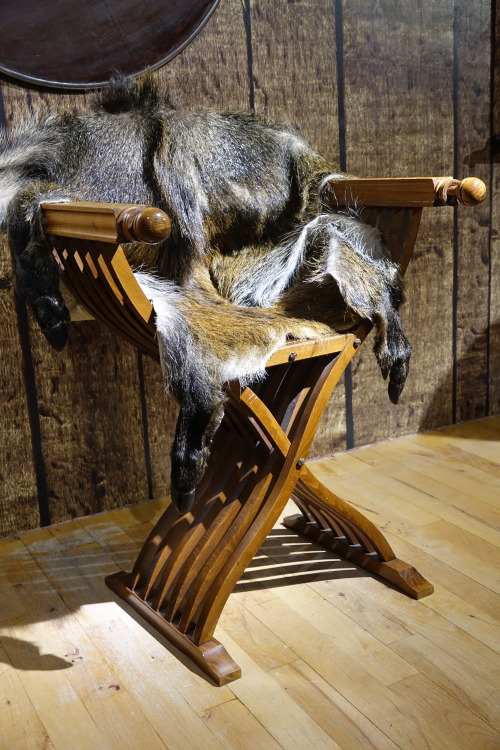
338,526
211,656
402,575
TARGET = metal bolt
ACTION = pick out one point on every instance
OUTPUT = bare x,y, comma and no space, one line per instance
300,463
356,343
292,356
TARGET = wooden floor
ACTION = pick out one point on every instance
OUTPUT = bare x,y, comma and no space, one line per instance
331,656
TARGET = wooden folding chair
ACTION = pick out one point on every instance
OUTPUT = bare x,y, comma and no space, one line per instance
190,563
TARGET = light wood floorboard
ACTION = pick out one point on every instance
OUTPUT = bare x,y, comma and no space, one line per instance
332,657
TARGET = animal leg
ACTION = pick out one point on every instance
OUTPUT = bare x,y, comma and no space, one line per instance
196,426
204,342
192,383
37,274
371,285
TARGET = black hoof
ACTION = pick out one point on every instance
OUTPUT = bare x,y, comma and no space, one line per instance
394,392
52,316
183,501
57,336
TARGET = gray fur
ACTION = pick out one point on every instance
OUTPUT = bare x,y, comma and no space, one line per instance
254,257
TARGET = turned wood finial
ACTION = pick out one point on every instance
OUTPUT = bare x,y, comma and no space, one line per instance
140,224
468,192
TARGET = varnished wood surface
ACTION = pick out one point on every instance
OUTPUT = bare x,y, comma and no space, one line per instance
332,657
373,102
189,565
417,192
106,222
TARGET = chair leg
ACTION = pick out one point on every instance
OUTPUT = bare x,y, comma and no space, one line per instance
190,564
337,526
211,656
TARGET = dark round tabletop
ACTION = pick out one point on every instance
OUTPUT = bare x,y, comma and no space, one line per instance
79,43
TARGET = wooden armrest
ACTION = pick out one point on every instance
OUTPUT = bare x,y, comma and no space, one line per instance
404,192
118,222
103,282
106,222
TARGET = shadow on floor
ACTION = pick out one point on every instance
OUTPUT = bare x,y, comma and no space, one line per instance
58,575
286,558
22,654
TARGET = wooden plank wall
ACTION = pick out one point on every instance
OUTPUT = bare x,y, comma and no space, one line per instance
386,88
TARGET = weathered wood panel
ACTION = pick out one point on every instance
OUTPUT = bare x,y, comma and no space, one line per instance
294,75
89,407
160,416
212,71
18,482
494,332
398,67
90,421
294,68
473,61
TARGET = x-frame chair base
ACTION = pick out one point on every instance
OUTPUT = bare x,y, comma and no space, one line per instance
190,564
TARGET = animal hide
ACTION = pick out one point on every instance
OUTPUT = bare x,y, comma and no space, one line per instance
255,256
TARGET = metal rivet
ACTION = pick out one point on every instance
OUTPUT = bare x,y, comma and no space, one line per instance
300,463
292,356
356,343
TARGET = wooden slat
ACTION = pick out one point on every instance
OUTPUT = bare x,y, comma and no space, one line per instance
494,332
87,409
411,192
417,192
297,350
212,70
160,414
303,96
